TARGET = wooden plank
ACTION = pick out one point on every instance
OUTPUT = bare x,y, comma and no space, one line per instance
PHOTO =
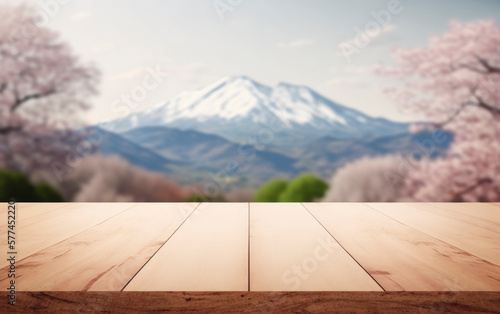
477,210
494,204
478,236
400,257
291,251
25,206
208,253
255,302
106,256
28,210
36,233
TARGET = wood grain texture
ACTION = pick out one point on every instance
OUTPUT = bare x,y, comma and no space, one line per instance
36,230
28,210
494,204
450,225
482,211
208,253
400,257
106,256
291,251
104,246
255,302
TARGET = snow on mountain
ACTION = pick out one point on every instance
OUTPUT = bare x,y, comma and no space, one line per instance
238,107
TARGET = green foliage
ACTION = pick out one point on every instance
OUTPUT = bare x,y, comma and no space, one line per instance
304,188
16,186
271,191
46,193
196,198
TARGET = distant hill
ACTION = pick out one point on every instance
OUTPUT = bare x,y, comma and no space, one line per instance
114,144
325,155
212,153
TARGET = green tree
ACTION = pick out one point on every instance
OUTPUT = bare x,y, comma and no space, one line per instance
46,193
15,185
196,198
304,188
271,191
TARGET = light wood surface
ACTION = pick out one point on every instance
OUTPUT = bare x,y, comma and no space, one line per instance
291,251
484,212
449,225
257,246
494,204
209,253
106,256
27,210
36,231
400,257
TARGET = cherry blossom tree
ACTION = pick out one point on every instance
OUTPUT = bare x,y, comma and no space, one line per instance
43,86
455,84
112,179
377,179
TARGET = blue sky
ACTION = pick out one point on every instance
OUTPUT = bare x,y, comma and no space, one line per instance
271,41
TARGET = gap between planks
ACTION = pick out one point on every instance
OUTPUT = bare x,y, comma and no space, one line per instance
445,224
209,253
343,247
291,251
401,257
35,235
105,256
160,247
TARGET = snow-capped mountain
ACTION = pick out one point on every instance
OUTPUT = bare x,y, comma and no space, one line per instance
238,107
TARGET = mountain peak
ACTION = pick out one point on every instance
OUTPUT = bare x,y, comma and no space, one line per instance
240,82
236,79
243,80
239,105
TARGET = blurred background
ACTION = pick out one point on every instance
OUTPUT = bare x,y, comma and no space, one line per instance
267,101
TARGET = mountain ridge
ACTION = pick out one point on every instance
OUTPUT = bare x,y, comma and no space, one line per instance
236,107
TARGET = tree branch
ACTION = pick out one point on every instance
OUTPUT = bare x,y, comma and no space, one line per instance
459,196
482,104
9,129
489,68
454,115
20,101
3,87
472,68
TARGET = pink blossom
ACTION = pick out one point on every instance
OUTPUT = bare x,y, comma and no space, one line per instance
454,82
43,87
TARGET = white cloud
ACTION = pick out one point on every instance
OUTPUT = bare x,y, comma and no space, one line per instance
128,75
359,69
101,48
297,43
82,15
180,72
350,74
196,68
341,80
371,36
388,29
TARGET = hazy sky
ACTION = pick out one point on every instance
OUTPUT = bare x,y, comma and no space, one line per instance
271,41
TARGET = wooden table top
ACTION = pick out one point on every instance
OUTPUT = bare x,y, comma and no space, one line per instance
254,247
